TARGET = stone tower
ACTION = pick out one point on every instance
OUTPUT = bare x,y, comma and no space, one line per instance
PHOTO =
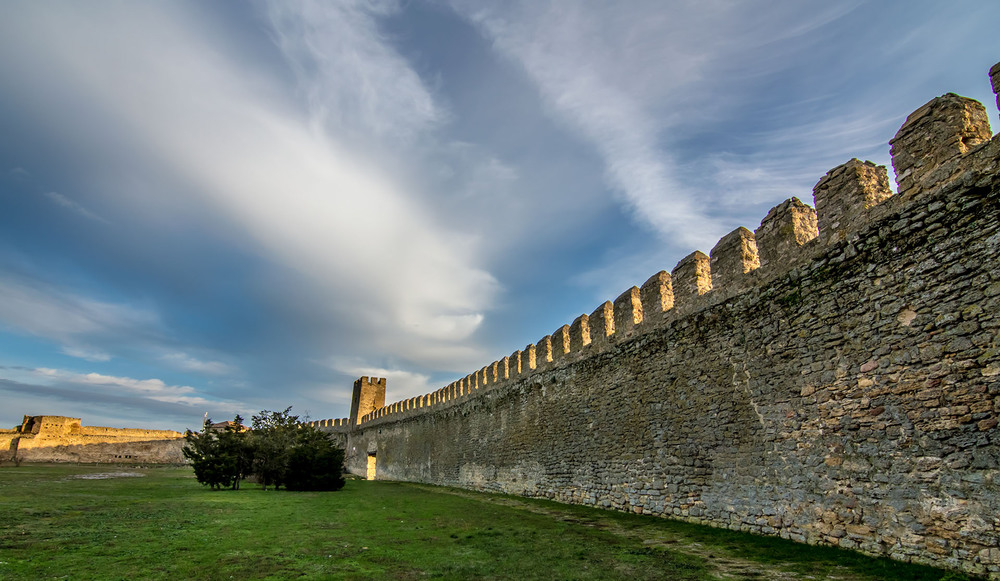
368,396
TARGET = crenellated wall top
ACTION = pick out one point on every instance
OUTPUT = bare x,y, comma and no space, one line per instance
936,145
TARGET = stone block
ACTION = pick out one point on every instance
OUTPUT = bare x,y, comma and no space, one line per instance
942,130
514,365
543,352
560,343
627,312
602,324
527,359
845,196
692,277
786,228
657,295
503,369
579,333
733,257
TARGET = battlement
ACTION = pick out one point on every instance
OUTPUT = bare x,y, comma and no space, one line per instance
937,145
337,424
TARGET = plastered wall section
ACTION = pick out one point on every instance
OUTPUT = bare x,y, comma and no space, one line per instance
844,391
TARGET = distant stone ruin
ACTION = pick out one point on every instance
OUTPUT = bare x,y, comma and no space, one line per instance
63,439
831,377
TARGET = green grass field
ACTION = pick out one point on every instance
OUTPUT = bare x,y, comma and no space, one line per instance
104,522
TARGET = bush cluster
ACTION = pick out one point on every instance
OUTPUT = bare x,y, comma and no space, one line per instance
277,451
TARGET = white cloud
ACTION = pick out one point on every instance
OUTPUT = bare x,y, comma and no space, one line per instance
188,363
97,383
307,199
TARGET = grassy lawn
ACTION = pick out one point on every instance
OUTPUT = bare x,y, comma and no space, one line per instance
159,523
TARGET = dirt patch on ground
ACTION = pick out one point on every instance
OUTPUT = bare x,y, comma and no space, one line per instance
106,475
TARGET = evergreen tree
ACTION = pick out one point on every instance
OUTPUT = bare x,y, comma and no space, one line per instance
211,465
314,462
272,437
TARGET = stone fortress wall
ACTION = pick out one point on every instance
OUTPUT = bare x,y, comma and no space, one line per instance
64,439
832,377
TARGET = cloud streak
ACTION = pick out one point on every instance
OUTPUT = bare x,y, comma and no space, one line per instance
42,310
608,70
344,66
74,206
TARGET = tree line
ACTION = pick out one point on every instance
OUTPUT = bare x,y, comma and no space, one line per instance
275,451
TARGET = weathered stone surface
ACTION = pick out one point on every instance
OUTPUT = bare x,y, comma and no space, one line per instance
543,352
503,369
732,258
514,365
692,277
657,295
628,312
527,359
602,324
942,130
560,343
786,228
579,333
845,196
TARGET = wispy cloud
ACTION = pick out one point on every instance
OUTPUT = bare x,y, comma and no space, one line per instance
188,363
73,206
568,51
627,78
344,66
45,311
86,353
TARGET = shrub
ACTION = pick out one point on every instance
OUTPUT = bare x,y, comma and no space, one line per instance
276,451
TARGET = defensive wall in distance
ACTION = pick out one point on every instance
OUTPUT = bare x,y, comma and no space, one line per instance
832,377
64,439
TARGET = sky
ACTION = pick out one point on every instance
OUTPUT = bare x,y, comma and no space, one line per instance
226,207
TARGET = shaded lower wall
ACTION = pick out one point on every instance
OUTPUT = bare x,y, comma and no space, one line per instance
852,401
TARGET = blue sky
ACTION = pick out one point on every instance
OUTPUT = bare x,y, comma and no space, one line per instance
227,207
